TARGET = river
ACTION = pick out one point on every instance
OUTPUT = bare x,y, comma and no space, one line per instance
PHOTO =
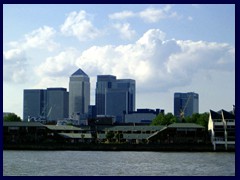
121,163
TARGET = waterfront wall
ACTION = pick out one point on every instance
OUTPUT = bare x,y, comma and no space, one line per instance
115,147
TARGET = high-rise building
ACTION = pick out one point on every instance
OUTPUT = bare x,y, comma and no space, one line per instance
104,82
50,104
57,103
185,104
79,93
114,96
34,103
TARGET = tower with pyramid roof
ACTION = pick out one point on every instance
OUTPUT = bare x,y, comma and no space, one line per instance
79,93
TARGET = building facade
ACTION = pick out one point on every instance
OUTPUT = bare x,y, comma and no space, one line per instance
79,93
104,82
49,104
185,104
114,96
34,103
57,103
221,126
142,116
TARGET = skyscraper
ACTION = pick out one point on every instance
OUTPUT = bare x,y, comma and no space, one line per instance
104,82
34,103
50,104
185,104
79,93
57,103
115,96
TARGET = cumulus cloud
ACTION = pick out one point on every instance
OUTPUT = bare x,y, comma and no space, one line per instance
158,64
41,38
80,26
15,61
125,30
14,66
59,65
56,70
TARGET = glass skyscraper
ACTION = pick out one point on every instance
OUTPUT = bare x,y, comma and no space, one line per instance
57,103
50,104
115,97
104,82
185,104
34,103
79,93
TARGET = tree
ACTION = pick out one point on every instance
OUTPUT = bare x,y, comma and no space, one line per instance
11,118
162,119
201,119
109,135
118,136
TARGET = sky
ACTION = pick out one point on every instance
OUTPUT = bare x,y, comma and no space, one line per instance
166,48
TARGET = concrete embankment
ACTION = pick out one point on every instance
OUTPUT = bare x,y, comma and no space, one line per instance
115,147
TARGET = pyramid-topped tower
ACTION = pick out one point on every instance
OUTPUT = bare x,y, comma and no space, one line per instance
79,72
79,94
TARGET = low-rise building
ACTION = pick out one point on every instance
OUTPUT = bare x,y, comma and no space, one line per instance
179,133
221,126
141,116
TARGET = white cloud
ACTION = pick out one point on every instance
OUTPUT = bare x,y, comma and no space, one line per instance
158,64
15,60
149,15
79,25
122,15
152,15
55,71
14,66
125,30
41,38
59,65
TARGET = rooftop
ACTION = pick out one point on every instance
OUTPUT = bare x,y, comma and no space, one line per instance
185,125
23,124
79,72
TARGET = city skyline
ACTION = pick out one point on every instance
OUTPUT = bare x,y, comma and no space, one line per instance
165,48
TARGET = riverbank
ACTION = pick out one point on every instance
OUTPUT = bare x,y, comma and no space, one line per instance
116,147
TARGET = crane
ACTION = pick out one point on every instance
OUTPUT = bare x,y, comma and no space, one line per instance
183,110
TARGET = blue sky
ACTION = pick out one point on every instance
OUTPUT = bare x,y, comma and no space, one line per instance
165,48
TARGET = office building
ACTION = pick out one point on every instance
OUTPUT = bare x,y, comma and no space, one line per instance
104,82
144,116
185,104
114,96
57,103
79,94
49,104
34,103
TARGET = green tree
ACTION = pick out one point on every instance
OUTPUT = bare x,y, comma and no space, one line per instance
201,119
118,136
109,136
12,118
162,119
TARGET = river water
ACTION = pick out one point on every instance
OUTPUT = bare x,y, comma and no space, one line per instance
121,163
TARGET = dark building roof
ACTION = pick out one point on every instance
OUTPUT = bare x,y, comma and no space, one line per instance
22,124
215,115
227,115
79,72
185,125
